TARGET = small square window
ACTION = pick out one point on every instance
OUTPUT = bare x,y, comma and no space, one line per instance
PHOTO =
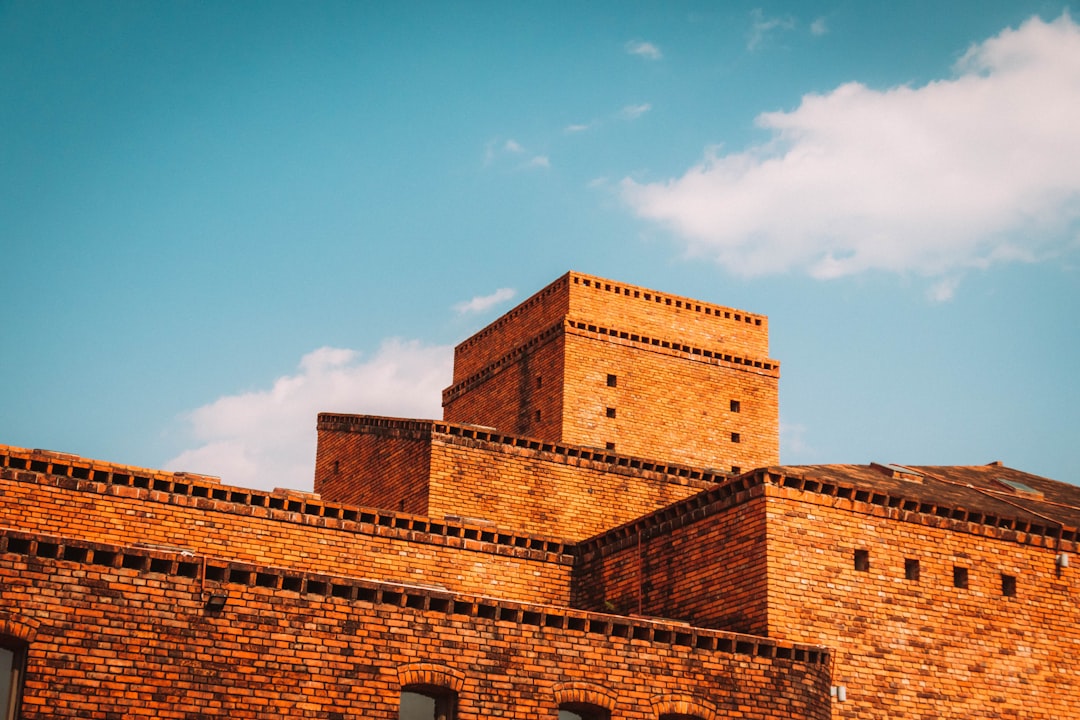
609,446
735,437
862,560
911,569
1008,585
736,406
735,469
611,412
612,380
960,577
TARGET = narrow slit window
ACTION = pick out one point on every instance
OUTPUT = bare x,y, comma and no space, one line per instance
612,380
539,381
537,416
911,569
736,406
960,577
862,560
1008,585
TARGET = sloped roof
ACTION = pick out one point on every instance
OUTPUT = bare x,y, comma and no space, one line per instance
992,491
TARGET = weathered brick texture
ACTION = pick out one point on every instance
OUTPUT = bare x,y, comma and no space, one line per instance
584,527
707,565
380,546
544,488
112,635
774,554
603,364
922,648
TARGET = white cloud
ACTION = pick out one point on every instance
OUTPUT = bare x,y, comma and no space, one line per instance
266,438
761,27
484,302
793,440
644,49
944,289
819,27
632,112
979,168
570,129
495,150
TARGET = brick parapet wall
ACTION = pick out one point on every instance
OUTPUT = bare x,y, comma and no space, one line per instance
60,463
517,482
606,302
702,560
909,641
118,630
565,453
519,393
663,345
303,534
388,469
1026,530
521,324
596,301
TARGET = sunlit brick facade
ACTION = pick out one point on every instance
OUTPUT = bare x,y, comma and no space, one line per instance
598,528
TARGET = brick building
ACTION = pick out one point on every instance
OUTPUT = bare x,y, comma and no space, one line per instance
598,528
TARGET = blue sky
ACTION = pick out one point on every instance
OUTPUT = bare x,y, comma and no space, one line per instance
218,219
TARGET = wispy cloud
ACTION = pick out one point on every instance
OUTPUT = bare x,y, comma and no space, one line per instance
793,440
761,27
484,302
571,129
644,49
632,112
978,168
819,27
496,149
266,438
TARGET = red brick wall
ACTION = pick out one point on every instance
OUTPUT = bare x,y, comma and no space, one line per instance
783,557
681,363
907,648
522,396
515,483
648,312
388,469
524,489
394,547
668,404
524,322
705,565
120,642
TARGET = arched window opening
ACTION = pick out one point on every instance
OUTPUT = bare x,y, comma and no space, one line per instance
426,702
582,711
12,664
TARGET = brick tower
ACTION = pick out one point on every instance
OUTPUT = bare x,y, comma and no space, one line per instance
598,363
